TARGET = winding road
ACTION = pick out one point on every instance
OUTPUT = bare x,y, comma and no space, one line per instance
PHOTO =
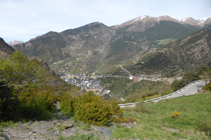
131,76
189,89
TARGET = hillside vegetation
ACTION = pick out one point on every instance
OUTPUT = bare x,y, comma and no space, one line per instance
96,47
135,91
176,58
27,90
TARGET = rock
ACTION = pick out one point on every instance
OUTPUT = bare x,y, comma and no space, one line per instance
55,122
23,135
170,129
2,138
105,131
29,122
128,125
68,126
6,135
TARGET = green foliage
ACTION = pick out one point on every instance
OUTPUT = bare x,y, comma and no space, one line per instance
187,78
203,69
25,103
36,101
178,57
134,91
203,73
19,69
24,93
132,119
207,87
9,103
90,108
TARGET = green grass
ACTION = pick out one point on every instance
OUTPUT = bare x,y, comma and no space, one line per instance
9,124
81,136
194,121
165,41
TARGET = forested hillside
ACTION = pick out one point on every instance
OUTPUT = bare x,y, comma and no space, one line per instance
189,53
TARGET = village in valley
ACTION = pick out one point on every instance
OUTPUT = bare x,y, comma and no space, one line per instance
85,82
92,82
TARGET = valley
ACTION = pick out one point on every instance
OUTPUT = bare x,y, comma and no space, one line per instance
71,84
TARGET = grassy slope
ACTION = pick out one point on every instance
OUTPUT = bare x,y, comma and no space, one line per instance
194,111
125,87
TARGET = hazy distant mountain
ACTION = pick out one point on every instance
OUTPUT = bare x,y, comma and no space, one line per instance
96,47
5,50
14,42
198,22
189,53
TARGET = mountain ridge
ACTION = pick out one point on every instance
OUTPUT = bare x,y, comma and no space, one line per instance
188,53
96,47
14,42
5,49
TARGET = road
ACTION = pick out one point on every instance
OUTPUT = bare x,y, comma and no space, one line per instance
190,89
187,90
131,76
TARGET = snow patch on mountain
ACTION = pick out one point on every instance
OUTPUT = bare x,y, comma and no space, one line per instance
139,18
14,42
201,21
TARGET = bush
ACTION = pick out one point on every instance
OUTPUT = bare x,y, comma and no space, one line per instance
175,114
90,108
9,104
132,119
207,87
120,120
36,101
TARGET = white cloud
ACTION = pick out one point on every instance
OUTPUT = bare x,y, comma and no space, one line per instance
26,19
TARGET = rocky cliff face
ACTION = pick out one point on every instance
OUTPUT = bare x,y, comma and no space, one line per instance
96,47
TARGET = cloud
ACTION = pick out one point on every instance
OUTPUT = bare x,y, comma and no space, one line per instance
26,19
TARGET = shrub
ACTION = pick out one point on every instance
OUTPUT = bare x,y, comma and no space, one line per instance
175,114
67,103
9,104
132,119
207,87
120,120
90,108
36,101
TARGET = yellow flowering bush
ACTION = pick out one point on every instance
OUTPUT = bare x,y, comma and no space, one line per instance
175,114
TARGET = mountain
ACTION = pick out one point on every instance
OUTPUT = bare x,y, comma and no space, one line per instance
51,77
81,48
96,47
5,50
14,42
199,22
188,53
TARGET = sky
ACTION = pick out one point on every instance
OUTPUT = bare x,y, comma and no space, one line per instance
26,19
